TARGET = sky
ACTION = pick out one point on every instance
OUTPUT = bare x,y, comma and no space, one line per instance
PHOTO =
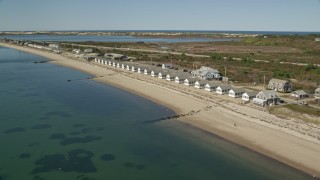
235,15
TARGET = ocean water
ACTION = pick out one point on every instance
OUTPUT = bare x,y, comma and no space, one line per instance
56,123
84,38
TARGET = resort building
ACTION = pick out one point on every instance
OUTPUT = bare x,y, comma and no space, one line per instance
190,81
162,75
206,73
317,93
280,85
266,98
171,77
167,66
134,69
141,70
154,73
223,89
300,94
88,51
147,71
180,78
211,86
200,84
128,67
236,92
249,95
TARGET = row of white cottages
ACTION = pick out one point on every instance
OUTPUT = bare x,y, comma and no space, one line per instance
262,98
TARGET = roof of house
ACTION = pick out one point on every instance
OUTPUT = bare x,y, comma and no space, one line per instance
299,92
278,81
214,84
269,94
203,82
225,86
192,79
182,76
251,93
237,90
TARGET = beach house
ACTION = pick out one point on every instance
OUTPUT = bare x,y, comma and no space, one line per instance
300,94
190,81
88,51
266,97
180,78
170,77
128,67
123,66
134,69
236,92
141,70
114,64
206,73
162,75
147,71
154,73
223,89
249,95
280,85
166,66
317,93
211,86
200,84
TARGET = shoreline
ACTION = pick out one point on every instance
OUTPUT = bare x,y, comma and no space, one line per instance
287,147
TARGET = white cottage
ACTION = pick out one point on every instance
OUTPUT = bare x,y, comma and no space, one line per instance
147,71
300,94
128,67
154,73
236,92
140,70
170,77
266,97
162,75
249,95
166,66
211,86
223,89
200,84
180,79
134,69
190,81
123,66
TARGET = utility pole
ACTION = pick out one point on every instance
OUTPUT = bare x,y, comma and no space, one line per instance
264,82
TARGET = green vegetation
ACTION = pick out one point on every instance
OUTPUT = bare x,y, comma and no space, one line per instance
305,113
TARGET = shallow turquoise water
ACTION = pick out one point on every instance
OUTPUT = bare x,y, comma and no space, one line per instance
52,128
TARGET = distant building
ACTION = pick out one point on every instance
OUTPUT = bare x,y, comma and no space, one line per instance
223,89
300,94
266,97
317,93
190,81
54,46
167,66
211,86
200,84
236,92
280,85
88,51
206,73
249,95
180,78
317,40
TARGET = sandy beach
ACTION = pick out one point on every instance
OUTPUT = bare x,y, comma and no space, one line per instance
289,142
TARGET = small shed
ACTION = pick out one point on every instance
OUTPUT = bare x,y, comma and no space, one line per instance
300,94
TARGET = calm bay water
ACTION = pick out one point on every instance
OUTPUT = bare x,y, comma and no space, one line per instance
83,38
52,128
